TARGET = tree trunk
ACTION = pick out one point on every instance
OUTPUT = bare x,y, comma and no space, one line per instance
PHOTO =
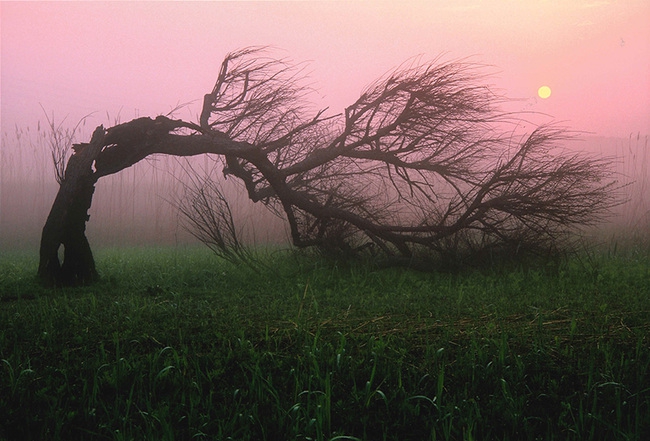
66,223
108,152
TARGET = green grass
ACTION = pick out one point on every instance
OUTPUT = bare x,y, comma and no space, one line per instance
176,344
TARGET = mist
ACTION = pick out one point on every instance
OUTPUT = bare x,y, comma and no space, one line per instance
135,59
137,207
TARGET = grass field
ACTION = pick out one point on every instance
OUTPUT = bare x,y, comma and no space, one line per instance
174,344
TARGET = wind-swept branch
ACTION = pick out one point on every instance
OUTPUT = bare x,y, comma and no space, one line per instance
422,161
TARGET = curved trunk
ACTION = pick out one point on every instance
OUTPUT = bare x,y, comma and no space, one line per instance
66,223
108,152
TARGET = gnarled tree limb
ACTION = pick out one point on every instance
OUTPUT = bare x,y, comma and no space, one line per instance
421,162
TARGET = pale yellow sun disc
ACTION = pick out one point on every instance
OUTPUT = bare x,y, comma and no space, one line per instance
544,92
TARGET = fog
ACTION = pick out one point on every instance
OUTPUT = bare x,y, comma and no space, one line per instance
137,205
134,207
630,159
120,60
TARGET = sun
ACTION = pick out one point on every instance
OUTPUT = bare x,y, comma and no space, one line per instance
544,92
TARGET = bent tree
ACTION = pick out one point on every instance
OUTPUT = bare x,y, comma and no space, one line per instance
422,162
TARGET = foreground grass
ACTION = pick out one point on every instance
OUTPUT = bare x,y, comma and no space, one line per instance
175,344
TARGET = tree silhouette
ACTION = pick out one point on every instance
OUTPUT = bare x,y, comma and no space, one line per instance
422,162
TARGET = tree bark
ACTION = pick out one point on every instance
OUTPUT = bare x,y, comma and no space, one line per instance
66,223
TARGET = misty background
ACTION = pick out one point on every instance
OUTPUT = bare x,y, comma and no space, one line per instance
137,206
134,207
62,61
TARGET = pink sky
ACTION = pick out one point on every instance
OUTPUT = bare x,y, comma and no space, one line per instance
143,58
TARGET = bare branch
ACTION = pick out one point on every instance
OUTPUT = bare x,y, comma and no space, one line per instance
418,159
208,217
422,162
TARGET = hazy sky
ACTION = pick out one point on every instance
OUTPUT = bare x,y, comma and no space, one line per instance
143,58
